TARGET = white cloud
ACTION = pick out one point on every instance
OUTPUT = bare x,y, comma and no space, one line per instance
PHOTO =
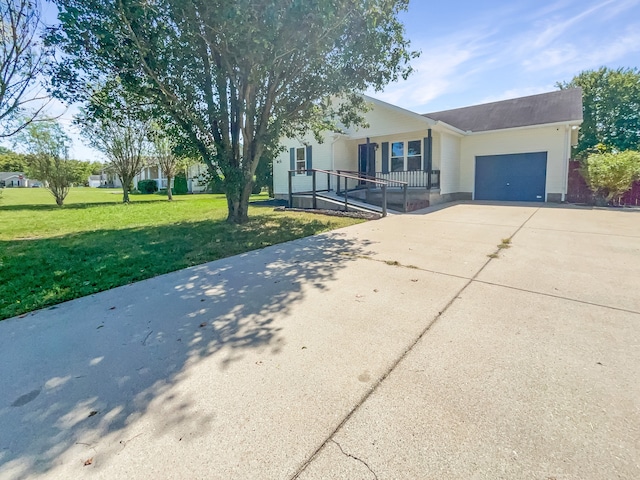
433,76
560,25
444,67
572,57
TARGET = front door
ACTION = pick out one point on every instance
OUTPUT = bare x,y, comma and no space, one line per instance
367,163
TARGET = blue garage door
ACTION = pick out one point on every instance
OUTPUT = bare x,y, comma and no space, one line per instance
517,177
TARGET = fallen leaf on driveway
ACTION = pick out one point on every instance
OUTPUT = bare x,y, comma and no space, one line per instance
93,412
203,324
112,308
88,461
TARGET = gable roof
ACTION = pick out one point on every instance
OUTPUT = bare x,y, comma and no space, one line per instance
553,107
8,175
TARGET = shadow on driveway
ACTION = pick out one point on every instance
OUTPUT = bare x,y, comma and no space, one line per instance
86,369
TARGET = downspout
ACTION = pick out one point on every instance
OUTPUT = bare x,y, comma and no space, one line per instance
567,150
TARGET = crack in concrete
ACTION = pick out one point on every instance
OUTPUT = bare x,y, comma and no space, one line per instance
559,297
399,360
355,458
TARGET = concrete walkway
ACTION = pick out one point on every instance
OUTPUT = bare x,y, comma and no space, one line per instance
392,349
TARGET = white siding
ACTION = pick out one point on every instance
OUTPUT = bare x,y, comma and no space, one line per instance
436,162
345,154
322,158
553,140
406,137
388,121
449,164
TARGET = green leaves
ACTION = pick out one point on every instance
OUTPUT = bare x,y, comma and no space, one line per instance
611,100
47,143
236,76
611,174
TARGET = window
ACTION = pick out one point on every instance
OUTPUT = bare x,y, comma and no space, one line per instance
409,158
301,160
414,155
397,156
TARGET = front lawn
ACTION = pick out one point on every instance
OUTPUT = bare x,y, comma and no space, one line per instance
50,254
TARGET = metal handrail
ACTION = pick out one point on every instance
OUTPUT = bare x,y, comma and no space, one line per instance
382,183
363,176
350,174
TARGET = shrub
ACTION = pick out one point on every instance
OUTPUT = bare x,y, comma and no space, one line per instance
180,185
147,186
610,175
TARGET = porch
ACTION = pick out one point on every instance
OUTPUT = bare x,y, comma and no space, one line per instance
402,191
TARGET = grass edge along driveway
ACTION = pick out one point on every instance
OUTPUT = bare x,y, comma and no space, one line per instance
49,254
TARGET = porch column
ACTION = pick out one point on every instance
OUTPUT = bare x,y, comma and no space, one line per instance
428,152
367,159
428,157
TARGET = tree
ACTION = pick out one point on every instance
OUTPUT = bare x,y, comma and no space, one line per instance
113,124
48,162
238,75
611,104
123,142
264,173
163,152
610,175
23,59
12,162
80,171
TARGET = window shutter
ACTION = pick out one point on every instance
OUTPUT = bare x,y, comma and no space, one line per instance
292,159
385,157
309,160
427,154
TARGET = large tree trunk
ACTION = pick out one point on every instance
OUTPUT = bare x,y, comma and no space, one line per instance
238,203
169,194
126,183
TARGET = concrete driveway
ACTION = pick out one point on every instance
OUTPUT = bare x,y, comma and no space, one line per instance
394,349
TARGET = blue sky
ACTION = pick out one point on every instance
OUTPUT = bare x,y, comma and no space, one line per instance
487,50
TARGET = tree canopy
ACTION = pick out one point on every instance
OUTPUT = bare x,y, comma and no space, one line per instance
611,103
235,76
48,145
611,174
23,59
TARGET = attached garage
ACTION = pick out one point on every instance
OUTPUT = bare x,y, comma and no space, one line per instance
517,177
514,150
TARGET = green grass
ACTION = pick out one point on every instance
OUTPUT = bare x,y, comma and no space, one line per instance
50,254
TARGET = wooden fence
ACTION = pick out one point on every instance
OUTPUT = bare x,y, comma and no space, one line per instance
579,192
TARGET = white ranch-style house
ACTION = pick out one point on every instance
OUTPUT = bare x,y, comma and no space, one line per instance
511,150
152,171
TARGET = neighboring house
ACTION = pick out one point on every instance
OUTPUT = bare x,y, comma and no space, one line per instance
13,179
154,172
96,181
512,150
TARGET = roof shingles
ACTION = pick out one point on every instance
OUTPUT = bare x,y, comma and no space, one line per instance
553,107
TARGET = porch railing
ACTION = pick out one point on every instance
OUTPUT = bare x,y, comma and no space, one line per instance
415,178
344,182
